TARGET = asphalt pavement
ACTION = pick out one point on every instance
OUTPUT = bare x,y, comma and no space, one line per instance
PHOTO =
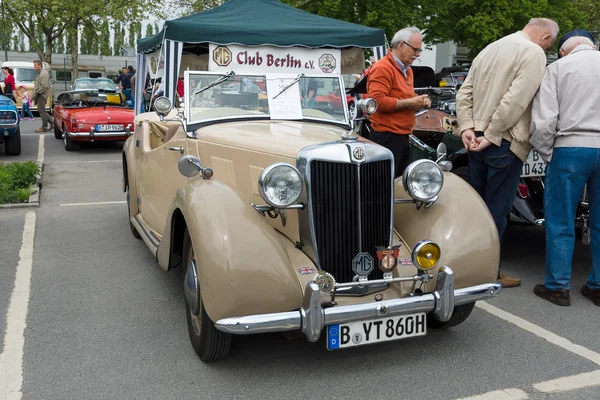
105,322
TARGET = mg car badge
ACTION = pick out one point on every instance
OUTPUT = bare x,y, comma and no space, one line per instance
359,153
362,265
388,257
325,281
222,56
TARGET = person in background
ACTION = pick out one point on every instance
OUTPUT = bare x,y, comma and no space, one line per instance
41,91
311,93
9,83
180,86
565,127
25,103
494,112
132,83
390,83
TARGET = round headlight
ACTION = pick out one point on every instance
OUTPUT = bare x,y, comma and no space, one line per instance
368,106
423,180
426,255
280,185
162,105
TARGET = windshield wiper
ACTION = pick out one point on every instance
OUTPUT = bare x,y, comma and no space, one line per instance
222,79
290,85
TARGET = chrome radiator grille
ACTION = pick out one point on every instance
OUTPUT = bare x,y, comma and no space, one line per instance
351,208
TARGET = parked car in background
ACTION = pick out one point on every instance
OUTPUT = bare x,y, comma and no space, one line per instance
25,75
93,111
283,219
10,132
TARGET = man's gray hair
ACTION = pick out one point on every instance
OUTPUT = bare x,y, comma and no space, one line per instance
545,24
404,35
575,41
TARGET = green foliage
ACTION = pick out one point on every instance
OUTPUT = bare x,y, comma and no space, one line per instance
149,31
16,180
105,49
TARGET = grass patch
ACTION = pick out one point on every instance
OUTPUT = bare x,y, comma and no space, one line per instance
16,181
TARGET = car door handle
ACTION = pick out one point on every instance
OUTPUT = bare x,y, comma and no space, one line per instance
179,149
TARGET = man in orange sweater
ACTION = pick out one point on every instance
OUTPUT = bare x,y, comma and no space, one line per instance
390,83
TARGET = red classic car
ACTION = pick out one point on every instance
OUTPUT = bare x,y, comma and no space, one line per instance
336,100
93,111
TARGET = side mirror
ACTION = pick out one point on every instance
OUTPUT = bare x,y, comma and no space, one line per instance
190,166
441,152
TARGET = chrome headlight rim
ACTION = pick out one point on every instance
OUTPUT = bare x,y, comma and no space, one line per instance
368,106
410,169
418,248
162,110
262,182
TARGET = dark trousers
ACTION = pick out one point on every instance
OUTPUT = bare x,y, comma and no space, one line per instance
398,145
494,173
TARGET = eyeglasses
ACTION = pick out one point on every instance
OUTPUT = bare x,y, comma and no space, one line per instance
416,49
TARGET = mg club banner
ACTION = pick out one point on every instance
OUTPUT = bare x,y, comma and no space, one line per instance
268,59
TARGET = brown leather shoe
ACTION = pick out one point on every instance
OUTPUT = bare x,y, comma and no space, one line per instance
560,297
508,281
40,130
592,294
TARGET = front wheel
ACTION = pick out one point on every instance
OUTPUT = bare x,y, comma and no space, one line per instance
460,314
209,343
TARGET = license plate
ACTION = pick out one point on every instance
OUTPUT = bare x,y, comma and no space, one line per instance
360,333
534,166
109,128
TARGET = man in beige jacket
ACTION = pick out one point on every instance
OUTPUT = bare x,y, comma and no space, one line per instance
41,91
565,129
494,113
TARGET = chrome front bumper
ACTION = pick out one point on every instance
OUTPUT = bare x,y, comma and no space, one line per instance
312,317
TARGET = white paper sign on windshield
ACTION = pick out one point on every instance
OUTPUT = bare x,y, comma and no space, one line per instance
287,104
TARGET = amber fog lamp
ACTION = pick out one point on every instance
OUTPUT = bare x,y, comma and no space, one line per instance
426,255
280,185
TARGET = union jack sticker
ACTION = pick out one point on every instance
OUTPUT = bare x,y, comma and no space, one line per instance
306,270
406,261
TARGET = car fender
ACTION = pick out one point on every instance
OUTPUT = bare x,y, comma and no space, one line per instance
460,223
129,173
243,265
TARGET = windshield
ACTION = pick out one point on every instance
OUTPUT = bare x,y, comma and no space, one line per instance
25,75
248,96
94,84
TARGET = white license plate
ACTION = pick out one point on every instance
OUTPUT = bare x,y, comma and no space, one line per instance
109,128
340,336
534,166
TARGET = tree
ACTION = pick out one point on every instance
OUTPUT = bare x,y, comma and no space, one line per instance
118,38
476,23
104,39
40,21
149,30
59,45
591,8
135,32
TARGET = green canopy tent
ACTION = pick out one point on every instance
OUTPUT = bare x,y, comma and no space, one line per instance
249,23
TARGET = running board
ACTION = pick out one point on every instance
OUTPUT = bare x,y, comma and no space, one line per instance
147,235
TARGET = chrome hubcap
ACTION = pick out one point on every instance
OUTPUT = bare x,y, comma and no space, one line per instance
194,319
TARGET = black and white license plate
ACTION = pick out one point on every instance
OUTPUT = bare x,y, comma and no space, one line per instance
109,128
534,166
360,333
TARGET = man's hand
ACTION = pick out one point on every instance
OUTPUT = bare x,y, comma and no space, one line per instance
418,102
480,144
469,139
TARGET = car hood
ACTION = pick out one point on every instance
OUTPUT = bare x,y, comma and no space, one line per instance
101,114
282,138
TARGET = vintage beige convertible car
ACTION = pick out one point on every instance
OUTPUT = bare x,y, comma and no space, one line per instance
282,219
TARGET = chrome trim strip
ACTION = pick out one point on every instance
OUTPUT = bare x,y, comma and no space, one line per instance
359,209
312,317
146,236
340,151
99,134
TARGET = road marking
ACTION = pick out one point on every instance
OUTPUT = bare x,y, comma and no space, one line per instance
41,149
11,359
564,384
99,203
506,394
87,162
541,332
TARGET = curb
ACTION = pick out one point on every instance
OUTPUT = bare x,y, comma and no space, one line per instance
34,197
